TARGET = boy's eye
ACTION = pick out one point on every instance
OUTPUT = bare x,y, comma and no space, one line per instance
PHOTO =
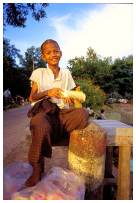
55,51
47,53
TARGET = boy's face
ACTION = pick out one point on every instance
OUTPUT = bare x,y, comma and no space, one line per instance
51,54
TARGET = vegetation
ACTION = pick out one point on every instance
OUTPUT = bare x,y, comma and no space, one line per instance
16,77
98,77
32,59
15,14
95,96
115,78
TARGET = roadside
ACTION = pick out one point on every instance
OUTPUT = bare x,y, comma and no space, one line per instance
17,140
15,122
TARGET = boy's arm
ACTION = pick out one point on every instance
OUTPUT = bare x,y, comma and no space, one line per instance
35,95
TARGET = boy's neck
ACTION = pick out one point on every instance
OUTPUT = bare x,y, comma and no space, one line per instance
55,70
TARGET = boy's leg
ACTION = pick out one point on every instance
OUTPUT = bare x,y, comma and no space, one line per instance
72,119
41,131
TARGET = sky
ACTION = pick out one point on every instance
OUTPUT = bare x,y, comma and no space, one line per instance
107,28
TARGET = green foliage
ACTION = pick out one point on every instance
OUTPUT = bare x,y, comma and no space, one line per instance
15,14
95,75
95,97
10,53
111,76
122,76
15,78
32,59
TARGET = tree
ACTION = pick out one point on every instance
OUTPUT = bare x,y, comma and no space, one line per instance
14,77
95,96
111,76
91,54
122,76
9,61
10,53
32,59
15,14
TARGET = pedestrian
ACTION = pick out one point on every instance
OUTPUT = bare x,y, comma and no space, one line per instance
20,100
91,111
102,115
7,97
51,114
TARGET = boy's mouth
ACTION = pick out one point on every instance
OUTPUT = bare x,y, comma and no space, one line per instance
54,59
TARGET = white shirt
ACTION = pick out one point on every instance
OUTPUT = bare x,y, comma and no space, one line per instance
7,93
45,80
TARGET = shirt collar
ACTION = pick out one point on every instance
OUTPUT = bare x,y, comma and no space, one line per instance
50,72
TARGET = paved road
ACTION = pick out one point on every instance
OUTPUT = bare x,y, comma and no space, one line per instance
15,122
16,143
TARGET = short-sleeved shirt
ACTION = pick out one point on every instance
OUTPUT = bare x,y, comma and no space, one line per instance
45,80
7,93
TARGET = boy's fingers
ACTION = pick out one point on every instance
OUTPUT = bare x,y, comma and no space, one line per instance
68,100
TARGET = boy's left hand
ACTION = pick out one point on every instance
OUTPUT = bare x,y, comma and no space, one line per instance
68,100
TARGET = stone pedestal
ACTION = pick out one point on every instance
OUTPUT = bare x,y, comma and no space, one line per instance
86,154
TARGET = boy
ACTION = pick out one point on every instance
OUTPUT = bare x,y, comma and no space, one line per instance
50,117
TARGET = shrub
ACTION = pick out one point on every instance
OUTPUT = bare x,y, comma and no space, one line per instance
95,96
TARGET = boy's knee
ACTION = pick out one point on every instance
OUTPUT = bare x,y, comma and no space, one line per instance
84,113
83,116
39,120
37,117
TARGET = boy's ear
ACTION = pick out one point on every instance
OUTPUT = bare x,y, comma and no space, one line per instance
43,57
61,53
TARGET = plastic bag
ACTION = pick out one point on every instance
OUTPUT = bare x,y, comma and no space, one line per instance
67,181
14,177
58,184
42,191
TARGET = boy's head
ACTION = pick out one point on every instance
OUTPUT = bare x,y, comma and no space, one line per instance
102,110
50,52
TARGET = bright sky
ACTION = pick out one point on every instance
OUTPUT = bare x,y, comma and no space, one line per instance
107,28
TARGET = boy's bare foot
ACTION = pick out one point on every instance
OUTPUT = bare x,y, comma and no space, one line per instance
35,177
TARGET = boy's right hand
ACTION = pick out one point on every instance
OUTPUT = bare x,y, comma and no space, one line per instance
55,92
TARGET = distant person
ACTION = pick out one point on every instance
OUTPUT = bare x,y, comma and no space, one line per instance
7,97
91,111
50,117
20,100
102,115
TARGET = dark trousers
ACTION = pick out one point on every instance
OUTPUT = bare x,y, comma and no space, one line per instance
48,128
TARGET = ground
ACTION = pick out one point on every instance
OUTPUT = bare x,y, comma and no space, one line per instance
17,140
17,136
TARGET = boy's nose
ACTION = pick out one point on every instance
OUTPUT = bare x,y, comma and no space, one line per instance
54,53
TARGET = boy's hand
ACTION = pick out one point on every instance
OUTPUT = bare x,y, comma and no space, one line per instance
68,100
55,92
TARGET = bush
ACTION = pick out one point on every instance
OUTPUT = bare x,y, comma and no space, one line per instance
95,96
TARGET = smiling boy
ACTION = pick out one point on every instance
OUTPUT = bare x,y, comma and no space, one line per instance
51,117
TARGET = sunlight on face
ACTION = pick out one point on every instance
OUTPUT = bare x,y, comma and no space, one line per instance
51,53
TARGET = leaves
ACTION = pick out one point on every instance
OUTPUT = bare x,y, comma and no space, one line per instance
95,97
32,59
110,75
15,14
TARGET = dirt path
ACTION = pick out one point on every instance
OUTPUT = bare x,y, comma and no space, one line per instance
16,140
15,123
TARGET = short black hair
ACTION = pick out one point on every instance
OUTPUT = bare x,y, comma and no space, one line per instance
48,41
102,110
